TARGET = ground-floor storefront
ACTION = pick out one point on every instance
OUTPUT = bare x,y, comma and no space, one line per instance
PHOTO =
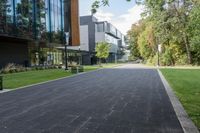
28,53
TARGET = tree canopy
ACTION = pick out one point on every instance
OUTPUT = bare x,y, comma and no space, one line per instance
173,24
98,3
102,50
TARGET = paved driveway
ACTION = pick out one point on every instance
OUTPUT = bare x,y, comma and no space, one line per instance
105,101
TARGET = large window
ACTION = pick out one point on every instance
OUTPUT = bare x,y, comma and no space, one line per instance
56,7
111,39
41,20
24,10
100,27
6,16
113,30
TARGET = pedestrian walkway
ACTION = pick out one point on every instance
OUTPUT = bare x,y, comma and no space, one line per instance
105,101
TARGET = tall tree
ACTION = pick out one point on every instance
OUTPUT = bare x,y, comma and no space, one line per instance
172,19
133,35
194,31
172,23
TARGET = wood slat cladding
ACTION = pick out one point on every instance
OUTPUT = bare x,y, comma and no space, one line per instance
75,31
72,21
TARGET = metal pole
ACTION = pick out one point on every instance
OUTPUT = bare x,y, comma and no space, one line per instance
79,55
158,62
66,62
81,59
1,82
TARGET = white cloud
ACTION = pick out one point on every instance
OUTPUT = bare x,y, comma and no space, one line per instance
124,21
104,16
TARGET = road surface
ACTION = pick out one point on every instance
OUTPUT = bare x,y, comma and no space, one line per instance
120,100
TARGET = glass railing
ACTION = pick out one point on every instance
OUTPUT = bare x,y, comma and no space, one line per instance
19,28
28,30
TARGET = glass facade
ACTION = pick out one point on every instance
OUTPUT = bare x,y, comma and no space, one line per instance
108,28
112,30
41,20
41,23
99,27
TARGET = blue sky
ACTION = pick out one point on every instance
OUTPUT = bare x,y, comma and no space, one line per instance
117,8
120,13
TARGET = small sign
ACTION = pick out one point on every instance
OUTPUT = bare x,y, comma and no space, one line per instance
67,38
160,48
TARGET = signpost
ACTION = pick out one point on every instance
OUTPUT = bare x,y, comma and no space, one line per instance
159,51
66,44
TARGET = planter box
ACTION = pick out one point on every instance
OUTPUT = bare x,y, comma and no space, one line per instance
77,69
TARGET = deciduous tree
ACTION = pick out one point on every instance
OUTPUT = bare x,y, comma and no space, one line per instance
102,50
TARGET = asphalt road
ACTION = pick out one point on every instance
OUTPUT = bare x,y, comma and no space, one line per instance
105,101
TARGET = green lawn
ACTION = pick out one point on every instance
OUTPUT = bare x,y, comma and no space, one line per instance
90,68
15,80
186,85
11,81
95,67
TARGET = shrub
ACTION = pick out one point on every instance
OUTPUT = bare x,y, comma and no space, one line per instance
81,69
13,68
77,69
74,69
9,68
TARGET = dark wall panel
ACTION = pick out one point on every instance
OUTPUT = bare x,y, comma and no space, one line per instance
13,53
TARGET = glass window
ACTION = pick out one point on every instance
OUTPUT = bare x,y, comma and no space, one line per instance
42,18
100,27
24,13
112,30
111,39
119,34
56,20
6,16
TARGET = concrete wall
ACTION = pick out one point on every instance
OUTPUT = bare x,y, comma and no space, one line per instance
99,37
90,21
84,38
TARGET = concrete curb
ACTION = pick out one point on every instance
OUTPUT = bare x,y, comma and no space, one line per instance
4,90
186,123
15,89
8,90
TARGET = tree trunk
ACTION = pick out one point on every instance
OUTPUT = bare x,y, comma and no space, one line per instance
185,37
99,61
187,46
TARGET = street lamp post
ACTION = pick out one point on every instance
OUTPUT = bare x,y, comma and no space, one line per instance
159,50
79,48
66,58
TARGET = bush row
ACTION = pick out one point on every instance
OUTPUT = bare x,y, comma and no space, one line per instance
14,68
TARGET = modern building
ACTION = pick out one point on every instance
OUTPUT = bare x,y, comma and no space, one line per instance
32,30
93,31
